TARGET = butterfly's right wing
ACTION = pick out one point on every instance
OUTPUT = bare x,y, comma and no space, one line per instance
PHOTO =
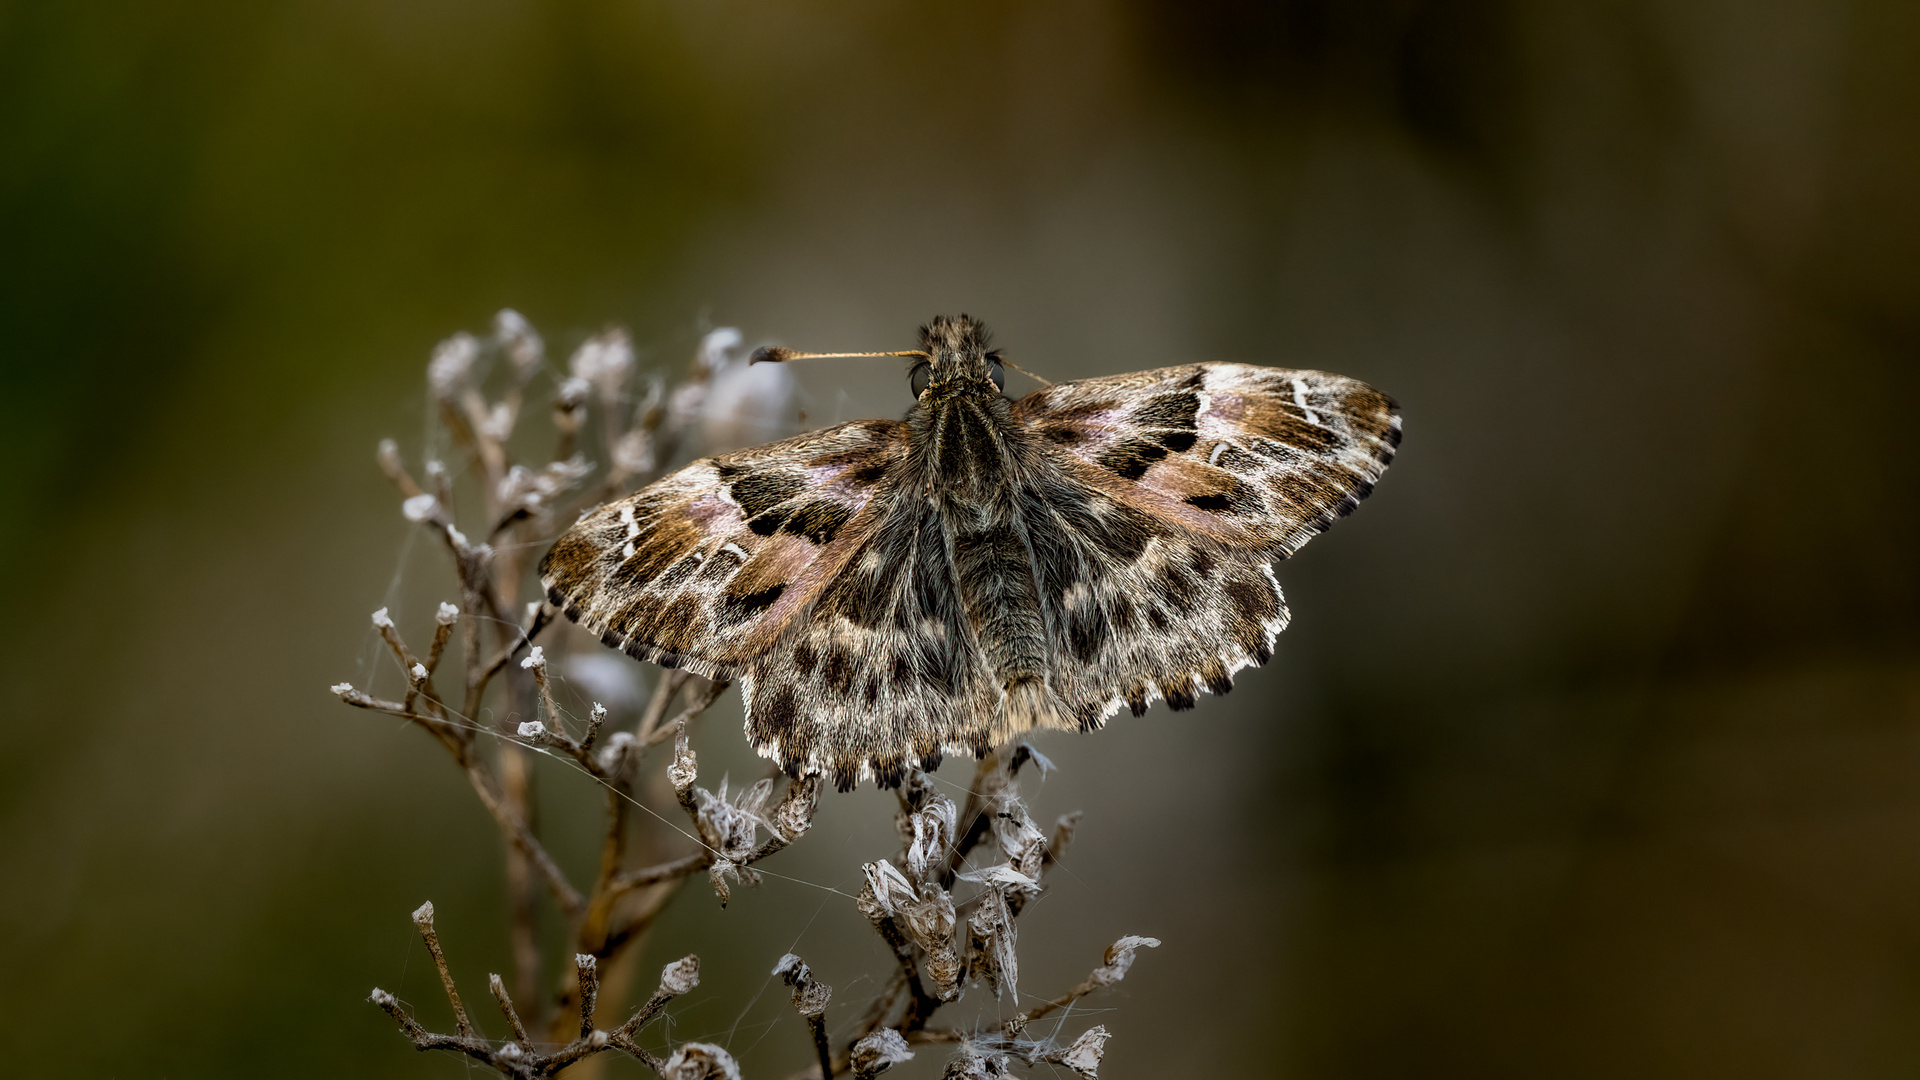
704,568
1168,495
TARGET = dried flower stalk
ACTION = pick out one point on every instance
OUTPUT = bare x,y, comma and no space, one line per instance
946,905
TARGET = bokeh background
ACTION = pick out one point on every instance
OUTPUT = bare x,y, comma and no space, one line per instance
1594,748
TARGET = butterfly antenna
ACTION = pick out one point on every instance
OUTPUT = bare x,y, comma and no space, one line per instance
772,354
1007,363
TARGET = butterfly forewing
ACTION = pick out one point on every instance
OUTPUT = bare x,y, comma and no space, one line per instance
1255,457
703,568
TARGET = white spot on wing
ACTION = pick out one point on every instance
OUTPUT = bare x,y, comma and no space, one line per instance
1300,399
1219,448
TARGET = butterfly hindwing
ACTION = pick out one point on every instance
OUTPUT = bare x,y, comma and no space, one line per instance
703,568
887,671
1138,611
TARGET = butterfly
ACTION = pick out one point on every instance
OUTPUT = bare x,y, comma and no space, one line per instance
888,592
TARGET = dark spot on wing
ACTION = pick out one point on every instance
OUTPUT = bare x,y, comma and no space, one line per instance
1180,588
1178,442
1130,460
776,715
1214,503
805,659
1200,562
762,491
742,607
818,520
837,672
1254,598
1179,693
1168,411
1234,460
1086,631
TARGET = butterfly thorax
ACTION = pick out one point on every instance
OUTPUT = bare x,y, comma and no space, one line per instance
965,458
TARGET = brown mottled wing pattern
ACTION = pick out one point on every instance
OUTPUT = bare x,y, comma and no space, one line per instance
703,568
1173,491
887,672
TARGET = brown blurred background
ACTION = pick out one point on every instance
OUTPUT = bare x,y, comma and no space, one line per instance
1594,748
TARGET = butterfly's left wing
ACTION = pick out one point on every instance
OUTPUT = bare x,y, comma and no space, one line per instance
703,569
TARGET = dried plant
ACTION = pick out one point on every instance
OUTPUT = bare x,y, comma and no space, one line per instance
946,905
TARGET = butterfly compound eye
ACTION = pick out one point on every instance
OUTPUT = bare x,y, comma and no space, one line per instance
999,376
919,377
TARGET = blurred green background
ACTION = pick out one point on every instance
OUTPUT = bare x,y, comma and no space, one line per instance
1593,750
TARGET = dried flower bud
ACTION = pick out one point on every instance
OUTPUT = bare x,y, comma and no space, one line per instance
620,752
794,816
932,830
990,945
681,976
685,768
1120,958
512,1051
879,1052
418,673
382,620
728,827
344,689
1002,877
606,361
1084,1055
971,1064
718,875
533,731
810,995
700,1061
536,660
381,998
525,350
420,508
605,675
886,890
745,404
634,453
423,916
571,394
452,365
947,970
1063,830
930,919
497,424
717,350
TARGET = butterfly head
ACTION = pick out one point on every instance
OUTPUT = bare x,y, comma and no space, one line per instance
958,360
